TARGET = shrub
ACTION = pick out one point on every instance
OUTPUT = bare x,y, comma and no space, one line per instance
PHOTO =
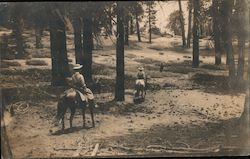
36,62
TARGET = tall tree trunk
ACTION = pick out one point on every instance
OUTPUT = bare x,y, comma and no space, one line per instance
245,117
38,34
149,23
126,31
5,146
241,58
228,4
119,88
137,27
110,25
189,23
196,4
77,25
241,39
17,32
60,67
4,45
217,35
87,48
131,25
201,30
182,25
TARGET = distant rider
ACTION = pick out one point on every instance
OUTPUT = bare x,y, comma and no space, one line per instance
141,76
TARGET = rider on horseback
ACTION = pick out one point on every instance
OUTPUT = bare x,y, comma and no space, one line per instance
79,84
141,76
140,81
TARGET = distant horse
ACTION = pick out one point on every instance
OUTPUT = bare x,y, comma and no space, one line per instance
140,88
72,99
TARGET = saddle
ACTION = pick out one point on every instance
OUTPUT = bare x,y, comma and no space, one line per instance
71,93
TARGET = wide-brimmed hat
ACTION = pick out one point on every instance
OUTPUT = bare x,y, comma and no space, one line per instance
77,67
140,68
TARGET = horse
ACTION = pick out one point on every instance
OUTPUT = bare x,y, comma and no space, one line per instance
72,99
140,88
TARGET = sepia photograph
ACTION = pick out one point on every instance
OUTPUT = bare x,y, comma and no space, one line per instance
101,79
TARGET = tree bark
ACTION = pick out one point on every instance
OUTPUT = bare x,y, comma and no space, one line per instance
5,146
228,4
137,27
242,17
245,117
217,35
189,23
182,24
241,61
87,48
131,25
4,45
201,30
17,32
77,25
126,31
38,32
60,67
196,4
110,25
119,88
149,23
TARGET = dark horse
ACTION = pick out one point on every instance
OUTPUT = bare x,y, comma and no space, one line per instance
71,99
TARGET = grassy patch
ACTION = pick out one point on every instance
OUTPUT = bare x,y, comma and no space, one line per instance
180,69
147,61
219,83
25,76
32,93
158,47
36,62
101,70
130,56
6,64
212,67
41,55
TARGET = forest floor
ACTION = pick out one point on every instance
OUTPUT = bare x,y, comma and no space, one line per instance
187,112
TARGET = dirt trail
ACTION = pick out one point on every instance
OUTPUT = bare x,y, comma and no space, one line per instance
165,107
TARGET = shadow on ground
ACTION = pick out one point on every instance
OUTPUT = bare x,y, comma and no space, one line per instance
218,84
186,140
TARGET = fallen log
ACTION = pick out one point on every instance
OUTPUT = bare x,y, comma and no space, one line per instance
95,150
211,149
62,149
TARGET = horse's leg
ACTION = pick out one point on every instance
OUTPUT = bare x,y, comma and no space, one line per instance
141,91
83,116
63,123
73,110
91,106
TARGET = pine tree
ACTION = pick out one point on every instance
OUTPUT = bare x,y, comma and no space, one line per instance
60,67
119,87
196,4
182,21
151,17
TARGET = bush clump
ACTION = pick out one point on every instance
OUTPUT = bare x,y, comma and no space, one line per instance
36,62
